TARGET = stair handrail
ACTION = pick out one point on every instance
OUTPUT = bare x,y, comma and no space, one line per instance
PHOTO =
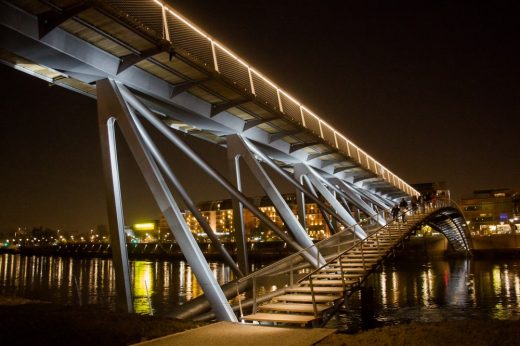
298,254
338,257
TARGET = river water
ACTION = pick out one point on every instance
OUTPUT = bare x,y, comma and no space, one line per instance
404,290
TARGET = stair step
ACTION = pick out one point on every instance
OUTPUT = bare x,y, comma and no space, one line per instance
293,307
346,269
356,263
348,282
282,318
359,255
306,298
319,289
335,276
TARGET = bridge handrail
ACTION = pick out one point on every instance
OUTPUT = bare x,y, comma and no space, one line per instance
213,55
286,265
268,269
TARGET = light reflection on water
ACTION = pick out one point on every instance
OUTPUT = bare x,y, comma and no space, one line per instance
439,290
92,281
404,290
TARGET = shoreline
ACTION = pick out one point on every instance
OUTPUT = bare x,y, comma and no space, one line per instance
29,322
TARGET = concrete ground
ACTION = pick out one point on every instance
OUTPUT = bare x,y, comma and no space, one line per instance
237,334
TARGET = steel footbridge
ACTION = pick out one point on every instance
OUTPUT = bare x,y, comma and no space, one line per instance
147,65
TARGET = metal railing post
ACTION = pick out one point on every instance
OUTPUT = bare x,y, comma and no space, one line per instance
254,295
362,256
291,274
377,244
342,273
314,307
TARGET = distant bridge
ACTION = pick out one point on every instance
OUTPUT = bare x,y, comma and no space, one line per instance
143,60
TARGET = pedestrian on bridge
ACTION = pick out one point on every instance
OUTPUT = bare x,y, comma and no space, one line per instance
404,208
395,212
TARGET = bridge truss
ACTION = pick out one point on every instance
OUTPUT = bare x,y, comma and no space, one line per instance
143,61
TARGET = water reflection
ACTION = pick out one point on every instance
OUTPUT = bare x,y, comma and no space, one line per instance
440,290
158,284
404,290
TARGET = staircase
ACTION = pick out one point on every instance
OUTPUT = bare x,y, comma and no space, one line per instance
315,295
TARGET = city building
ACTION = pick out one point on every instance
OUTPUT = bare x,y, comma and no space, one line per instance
219,215
493,211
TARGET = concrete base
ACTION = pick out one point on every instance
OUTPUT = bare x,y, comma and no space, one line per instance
238,334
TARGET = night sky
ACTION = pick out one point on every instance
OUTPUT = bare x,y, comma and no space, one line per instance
431,91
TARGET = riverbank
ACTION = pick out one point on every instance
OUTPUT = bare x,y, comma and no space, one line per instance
25,322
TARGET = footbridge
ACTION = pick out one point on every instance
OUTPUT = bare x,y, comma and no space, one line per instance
148,66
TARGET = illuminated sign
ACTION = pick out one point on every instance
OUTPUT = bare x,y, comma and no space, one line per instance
147,226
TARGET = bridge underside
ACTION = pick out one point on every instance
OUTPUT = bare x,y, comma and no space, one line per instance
450,222
144,63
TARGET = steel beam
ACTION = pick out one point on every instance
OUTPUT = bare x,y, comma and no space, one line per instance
167,204
238,213
276,136
174,139
255,122
221,107
297,183
237,147
303,169
355,198
107,106
185,86
300,146
317,155
152,148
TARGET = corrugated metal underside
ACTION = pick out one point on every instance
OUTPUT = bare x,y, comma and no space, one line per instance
111,26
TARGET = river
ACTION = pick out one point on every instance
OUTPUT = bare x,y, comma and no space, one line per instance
404,290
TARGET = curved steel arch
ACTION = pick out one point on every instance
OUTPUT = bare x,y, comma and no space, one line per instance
451,223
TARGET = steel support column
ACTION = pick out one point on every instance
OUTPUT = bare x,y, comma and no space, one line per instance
356,199
174,139
302,169
237,147
238,213
105,108
167,204
300,207
297,183
152,148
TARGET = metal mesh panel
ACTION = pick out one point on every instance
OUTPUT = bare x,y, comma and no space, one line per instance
354,152
189,40
291,108
233,69
328,134
343,146
264,90
312,123
146,12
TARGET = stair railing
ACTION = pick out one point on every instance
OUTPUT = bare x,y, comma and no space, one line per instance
289,270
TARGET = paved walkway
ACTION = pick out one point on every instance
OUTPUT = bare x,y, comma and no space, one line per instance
237,334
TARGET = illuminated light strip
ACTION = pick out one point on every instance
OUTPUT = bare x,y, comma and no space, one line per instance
251,81
166,29
228,52
279,100
214,56
321,130
279,90
303,117
336,140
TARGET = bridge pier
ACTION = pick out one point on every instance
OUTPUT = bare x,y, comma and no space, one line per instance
368,320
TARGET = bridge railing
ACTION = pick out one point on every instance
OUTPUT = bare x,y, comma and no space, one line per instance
197,45
291,269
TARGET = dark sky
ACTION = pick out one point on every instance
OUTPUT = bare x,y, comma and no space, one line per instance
431,90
